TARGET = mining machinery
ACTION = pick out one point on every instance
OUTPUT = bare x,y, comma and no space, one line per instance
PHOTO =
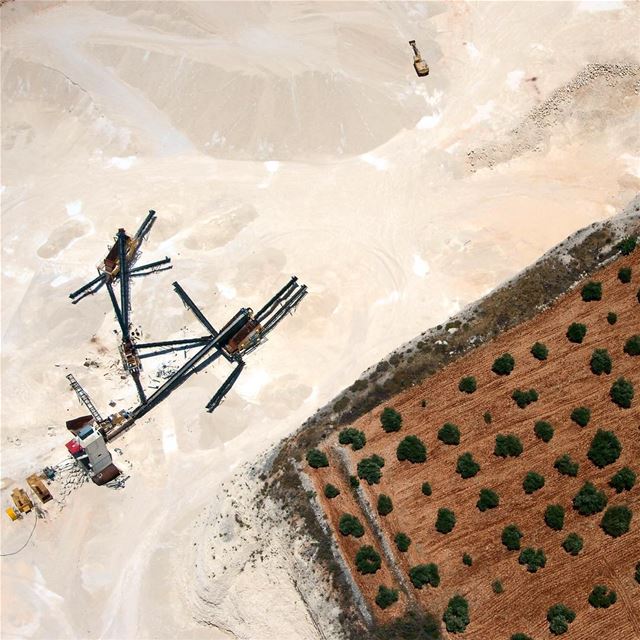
119,267
243,333
421,67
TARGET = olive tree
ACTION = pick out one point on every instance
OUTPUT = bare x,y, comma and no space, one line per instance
317,458
592,291
576,332
623,480
503,365
390,419
424,574
354,437
456,615
605,448
350,526
539,351
573,544
367,560
554,517
468,384
589,500
543,430
511,537
632,345
449,433
566,466
386,597
559,618
616,521
601,597
488,499
411,449
466,466
600,362
622,393
532,482
445,521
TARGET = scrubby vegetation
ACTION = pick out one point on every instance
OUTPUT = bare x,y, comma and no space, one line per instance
367,560
426,488
354,483
559,618
524,398
411,449
612,317
534,559
581,416
350,526
616,521
624,275
573,544
605,448
600,362
566,466
488,499
385,505
622,393
496,587
503,365
456,615
632,345
511,537
532,482
317,459
466,466
330,491
507,445
637,574
424,574
386,597
390,419
403,542
354,437
592,291
520,636
539,351
554,517
623,480
446,520
589,500
543,430
487,417
449,433
467,560
576,332
601,597
370,469
468,384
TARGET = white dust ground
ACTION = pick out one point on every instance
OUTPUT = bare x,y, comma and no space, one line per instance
271,139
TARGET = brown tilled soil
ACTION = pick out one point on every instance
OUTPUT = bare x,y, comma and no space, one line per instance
563,382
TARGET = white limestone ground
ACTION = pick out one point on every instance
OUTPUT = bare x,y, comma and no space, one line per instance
272,139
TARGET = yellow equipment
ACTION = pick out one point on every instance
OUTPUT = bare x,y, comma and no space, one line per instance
11,512
421,67
39,488
21,500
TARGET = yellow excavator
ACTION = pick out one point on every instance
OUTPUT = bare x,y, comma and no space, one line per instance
421,67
